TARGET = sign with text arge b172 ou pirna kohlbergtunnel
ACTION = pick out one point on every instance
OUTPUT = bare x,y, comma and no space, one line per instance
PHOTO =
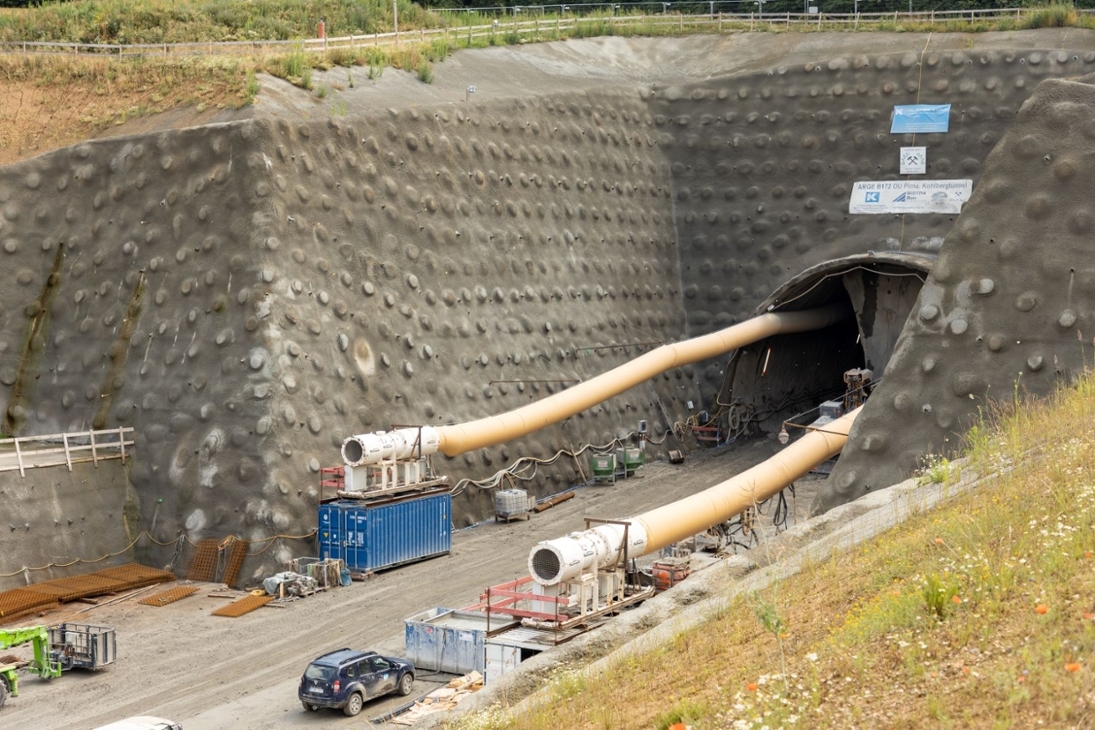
909,196
921,119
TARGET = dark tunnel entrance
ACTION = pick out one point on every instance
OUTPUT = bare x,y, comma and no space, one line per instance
785,376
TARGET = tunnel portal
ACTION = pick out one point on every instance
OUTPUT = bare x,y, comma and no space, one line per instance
781,376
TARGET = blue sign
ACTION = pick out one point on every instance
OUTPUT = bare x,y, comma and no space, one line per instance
920,118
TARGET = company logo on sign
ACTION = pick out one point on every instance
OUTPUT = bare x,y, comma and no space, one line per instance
920,118
909,196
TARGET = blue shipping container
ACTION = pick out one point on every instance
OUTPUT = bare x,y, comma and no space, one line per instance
373,536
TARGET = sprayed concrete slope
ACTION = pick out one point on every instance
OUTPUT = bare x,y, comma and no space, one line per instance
246,295
1008,306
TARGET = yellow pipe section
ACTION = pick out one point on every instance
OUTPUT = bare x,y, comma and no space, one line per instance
695,514
492,430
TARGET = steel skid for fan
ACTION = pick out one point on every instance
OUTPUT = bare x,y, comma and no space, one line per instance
592,593
388,462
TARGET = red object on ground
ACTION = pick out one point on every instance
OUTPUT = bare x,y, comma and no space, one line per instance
668,574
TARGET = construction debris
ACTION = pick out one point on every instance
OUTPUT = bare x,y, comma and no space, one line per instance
441,699
290,584
327,573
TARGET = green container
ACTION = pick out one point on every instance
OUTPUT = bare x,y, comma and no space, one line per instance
630,459
603,467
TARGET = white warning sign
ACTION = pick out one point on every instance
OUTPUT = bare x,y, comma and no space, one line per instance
909,196
914,160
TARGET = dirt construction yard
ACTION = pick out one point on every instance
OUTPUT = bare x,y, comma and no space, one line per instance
214,673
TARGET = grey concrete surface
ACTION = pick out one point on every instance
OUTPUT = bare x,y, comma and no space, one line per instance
247,294
1008,308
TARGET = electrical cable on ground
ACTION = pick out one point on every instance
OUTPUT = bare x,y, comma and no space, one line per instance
524,468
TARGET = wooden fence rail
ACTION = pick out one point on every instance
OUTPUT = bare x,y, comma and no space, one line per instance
64,449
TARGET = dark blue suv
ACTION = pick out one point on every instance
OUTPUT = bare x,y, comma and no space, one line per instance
345,679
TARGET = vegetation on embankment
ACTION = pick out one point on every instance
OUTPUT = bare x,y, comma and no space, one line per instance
53,100
130,22
980,613
182,21
48,102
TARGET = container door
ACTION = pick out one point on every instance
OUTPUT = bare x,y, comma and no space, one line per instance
329,533
423,644
357,529
500,659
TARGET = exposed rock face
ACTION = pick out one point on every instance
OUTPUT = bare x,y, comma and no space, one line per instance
1009,303
246,295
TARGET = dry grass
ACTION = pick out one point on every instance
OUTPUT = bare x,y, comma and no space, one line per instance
52,102
47,102
977,614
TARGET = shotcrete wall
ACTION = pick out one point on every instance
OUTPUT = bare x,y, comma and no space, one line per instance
763,164
1011,299
246,295
53,515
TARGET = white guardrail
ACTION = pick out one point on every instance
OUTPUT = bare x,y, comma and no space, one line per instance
64,449
714,22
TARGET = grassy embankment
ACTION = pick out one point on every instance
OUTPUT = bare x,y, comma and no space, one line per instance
48,101
975,614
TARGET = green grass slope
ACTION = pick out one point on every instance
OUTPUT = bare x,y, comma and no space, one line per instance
977,614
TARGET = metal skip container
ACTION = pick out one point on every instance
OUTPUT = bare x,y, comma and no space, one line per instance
371,535
445,640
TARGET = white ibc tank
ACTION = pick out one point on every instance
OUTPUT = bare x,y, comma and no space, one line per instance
508,502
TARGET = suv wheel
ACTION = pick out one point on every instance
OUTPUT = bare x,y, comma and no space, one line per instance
310,707
405,683
353,705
